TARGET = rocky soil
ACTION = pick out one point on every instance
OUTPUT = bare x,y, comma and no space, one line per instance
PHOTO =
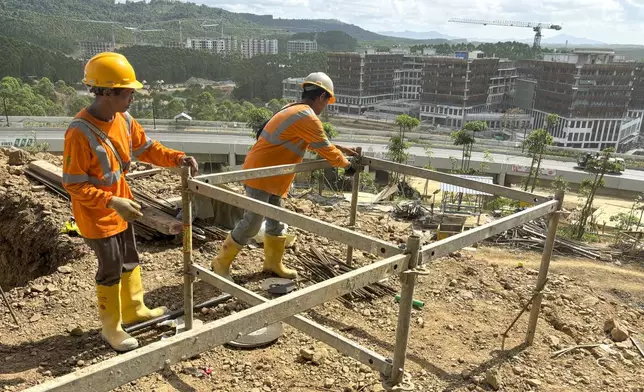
456,339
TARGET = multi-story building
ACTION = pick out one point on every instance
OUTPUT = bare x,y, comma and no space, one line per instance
502,86
455,87
292,89
252,47
410,77
247,47
216,45
301,46
89,49
590,94
362,80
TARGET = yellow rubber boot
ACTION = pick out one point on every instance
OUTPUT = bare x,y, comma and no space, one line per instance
132,306
273,253
109,312
221,264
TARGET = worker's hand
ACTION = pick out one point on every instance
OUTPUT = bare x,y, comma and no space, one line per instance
350,170
127,209
189,161
349,151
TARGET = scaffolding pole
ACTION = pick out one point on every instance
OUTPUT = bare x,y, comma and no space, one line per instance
553,223
355,189
127,367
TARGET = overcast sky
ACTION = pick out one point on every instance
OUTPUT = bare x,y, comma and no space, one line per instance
611,21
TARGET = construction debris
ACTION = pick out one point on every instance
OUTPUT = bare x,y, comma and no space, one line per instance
159,215
320,266
533,236
410,210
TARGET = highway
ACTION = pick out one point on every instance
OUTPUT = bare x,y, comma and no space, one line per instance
502,162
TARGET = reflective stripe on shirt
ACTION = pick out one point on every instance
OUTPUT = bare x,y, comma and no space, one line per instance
109,177
274,137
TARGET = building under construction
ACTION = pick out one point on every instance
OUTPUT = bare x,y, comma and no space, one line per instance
454,87
362,80
590,95
89,49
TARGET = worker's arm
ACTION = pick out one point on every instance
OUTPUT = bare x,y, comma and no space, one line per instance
313,134
76,160
151,151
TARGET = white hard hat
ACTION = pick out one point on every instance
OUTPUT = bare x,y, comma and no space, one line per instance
320,79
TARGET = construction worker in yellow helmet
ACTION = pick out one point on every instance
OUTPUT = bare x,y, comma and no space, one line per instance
99,145
284,139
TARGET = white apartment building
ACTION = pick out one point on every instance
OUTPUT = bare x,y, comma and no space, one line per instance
301,46
247,47
216,45
252,47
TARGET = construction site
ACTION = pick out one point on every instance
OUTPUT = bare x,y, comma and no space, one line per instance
424,291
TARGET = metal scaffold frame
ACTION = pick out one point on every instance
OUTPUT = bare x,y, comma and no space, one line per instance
156,356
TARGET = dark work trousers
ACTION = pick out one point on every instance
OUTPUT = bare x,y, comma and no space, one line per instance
116,254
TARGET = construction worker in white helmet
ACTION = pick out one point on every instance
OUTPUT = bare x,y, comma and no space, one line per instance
284,139
100,143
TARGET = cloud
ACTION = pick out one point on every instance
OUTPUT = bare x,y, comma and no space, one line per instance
612,21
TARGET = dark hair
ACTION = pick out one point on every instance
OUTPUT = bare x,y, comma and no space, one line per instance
103,90
313,92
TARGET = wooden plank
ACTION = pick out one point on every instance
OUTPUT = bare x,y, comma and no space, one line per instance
152,217
271,171
345,346
467,238
130,366
494,189
332,232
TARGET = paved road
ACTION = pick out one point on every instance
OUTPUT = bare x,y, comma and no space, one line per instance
204,138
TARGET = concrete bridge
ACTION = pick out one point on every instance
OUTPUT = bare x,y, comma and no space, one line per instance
214,150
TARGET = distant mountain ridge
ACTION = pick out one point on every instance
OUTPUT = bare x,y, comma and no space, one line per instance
419,35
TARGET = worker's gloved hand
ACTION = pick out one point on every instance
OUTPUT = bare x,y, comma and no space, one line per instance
127,209
350,170
189,161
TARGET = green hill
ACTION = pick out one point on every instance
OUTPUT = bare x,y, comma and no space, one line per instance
52,24
23,60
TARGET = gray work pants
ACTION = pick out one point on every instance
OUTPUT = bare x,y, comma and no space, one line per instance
250,224
116,254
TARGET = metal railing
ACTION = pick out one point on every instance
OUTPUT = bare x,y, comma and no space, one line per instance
406,263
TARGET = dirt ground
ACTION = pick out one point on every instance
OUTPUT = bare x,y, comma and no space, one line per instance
456,339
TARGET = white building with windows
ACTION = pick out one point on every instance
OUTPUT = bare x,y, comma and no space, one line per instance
301,46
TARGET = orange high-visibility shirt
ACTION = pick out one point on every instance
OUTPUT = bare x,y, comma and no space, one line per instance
91,172
285,140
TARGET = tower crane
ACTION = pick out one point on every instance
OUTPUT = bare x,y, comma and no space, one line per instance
535,26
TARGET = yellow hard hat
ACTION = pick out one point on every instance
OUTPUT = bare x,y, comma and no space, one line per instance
322,80
110,70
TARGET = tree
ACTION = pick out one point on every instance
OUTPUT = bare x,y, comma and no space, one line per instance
560,184
536,144
45,88
329,130
274,105
487,160
465,139
551,122
257,117
397,147
589,188
174,107
406,123
77,103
